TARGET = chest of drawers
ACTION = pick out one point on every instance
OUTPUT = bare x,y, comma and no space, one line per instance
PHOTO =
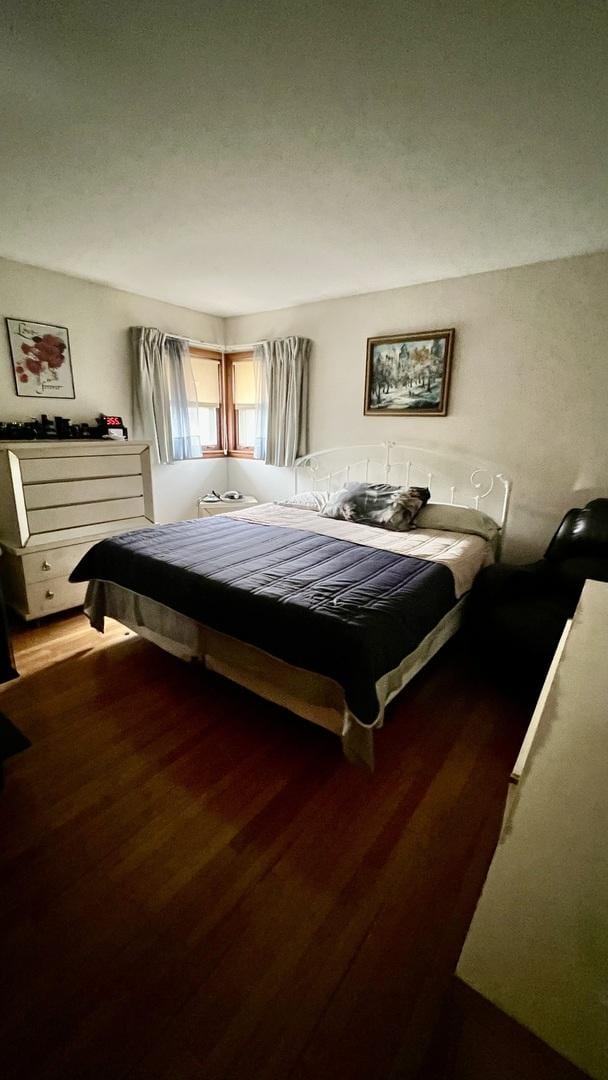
56,500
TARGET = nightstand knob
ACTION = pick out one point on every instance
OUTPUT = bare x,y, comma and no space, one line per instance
46,565
49,594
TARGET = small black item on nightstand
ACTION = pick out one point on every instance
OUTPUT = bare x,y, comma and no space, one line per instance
516,614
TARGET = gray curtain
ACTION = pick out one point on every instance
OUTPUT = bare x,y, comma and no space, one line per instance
260,381
162,382
281,369
182,397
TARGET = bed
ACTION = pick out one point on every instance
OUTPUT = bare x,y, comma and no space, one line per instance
328,618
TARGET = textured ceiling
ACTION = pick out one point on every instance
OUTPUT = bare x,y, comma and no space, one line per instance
235,156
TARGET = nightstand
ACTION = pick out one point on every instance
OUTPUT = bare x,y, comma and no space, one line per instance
224,506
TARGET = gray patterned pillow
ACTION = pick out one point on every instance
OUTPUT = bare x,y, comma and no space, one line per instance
382,505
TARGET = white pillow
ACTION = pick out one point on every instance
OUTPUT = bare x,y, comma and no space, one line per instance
307,500
464,519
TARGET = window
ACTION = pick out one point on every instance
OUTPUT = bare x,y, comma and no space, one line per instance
222,412
206,408
240,404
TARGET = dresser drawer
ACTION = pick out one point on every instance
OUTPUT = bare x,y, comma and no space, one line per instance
58,594
40,470
69,492
91,513
57,562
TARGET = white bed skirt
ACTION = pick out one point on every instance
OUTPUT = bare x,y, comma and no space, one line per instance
311,696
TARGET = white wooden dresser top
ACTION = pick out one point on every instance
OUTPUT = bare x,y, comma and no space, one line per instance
538,944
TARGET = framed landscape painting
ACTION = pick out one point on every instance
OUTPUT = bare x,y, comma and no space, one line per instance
42,364
409,374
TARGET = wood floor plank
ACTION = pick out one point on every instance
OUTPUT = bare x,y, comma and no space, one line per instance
196,883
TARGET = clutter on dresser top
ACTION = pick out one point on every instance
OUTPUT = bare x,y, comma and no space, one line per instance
104,427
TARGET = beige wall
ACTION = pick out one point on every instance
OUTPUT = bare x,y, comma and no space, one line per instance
98,319
529,384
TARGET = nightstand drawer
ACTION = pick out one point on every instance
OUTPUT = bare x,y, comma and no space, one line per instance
45,597
56,562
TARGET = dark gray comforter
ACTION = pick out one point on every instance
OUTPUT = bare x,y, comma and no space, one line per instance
334,607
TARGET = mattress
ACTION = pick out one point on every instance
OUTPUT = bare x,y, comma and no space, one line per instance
309,695
463,554
335,598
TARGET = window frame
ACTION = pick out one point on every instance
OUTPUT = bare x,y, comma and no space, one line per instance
230,409
213,354
227,412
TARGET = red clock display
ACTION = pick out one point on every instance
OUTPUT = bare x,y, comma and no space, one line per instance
113,421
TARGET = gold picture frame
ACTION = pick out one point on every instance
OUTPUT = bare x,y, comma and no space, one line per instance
409,374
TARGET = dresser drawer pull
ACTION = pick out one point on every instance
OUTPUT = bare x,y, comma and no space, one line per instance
46,565
49,594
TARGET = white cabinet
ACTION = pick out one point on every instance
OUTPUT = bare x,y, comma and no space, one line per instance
537,948
56,500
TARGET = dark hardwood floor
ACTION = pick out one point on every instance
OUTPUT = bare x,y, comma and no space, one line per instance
197,884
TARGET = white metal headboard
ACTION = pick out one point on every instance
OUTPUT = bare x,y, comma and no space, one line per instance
451,478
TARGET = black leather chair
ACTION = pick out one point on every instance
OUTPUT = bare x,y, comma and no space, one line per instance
516,614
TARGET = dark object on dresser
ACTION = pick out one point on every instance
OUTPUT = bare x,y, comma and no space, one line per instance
105,427
516,614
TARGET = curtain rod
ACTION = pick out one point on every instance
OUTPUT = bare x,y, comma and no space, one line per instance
214,345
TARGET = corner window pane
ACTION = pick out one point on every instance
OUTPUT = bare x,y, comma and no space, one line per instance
244,385
245,427
203,422
207,380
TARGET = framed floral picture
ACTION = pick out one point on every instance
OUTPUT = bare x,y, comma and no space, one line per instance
42,363
409,374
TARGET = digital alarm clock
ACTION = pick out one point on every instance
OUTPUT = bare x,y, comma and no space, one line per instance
113,427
